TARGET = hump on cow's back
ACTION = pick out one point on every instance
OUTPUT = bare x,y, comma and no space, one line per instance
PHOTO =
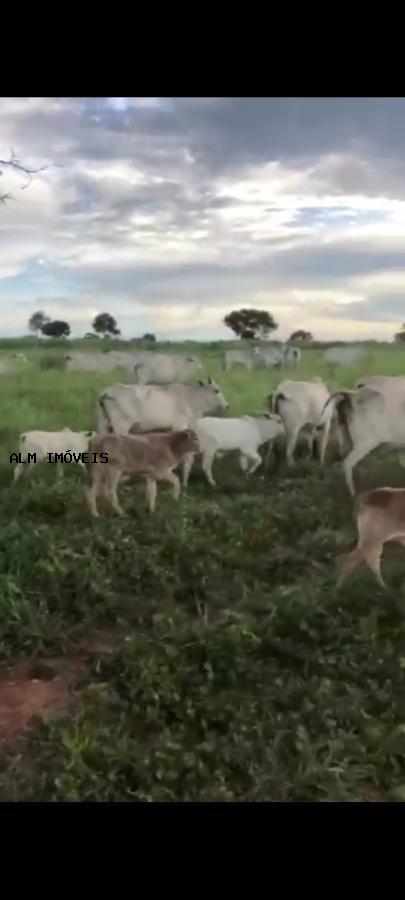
369,396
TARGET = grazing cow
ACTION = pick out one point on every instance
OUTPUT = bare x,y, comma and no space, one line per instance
165,368
19,356
238,358
370,417
43,442
292,355
245,434
271,357
102,362
343,356
142,408
380,517
298,403
153,455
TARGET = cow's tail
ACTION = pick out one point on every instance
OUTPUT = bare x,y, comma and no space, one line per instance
338,404
102,403
275,401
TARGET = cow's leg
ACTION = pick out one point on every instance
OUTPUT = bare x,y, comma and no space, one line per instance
188,462
91,492
151,491
111,491
29,467
208,458
270,452
243,462
351,461
368,550
174,480
349,563
292,438
255,456
310,442
372,556
19,470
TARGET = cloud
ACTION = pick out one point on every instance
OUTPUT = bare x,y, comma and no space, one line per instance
169,212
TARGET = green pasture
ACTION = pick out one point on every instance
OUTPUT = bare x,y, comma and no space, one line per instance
236,670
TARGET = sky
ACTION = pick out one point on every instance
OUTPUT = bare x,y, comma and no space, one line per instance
170,212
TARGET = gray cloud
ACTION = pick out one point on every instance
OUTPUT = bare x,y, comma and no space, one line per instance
208,201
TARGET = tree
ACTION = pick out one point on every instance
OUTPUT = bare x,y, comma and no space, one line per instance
250,323
105,324
149,337
15,165
37,321
399,337
300,335
56,329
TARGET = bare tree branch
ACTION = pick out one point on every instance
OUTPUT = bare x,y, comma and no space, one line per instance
16,165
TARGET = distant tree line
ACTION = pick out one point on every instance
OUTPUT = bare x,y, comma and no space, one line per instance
246,324
103,325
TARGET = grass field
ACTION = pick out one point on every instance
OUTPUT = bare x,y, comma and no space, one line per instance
202,653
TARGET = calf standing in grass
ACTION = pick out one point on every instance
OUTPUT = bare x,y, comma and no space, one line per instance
380,517
246,434
152,455
43,442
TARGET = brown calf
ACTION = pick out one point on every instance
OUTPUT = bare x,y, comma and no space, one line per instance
152,455
380,517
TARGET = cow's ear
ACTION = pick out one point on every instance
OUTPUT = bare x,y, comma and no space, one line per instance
201,383
209,379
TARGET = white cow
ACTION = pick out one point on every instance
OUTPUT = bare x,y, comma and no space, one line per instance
165,368
9,365
126,361
299,404
238,358
43,442
270,357
292,355
344,356
141,408
102,362
246,434
381,381
370,416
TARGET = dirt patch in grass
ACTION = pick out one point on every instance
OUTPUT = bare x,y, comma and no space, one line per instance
34,690
23,700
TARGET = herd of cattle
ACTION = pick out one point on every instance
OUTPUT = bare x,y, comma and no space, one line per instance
159,424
